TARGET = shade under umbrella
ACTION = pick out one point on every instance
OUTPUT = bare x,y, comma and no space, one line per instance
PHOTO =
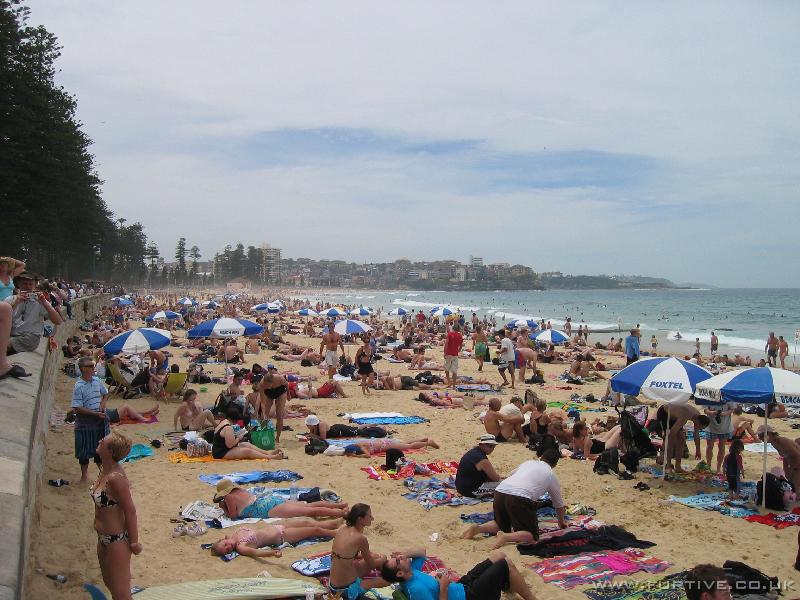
224,328
163,314
350,327
550,336
137,340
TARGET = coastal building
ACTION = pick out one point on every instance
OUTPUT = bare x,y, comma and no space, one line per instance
270,264
475,261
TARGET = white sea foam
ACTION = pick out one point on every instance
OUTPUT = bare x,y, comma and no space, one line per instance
724,340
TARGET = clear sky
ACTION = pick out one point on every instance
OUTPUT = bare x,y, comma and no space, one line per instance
654,138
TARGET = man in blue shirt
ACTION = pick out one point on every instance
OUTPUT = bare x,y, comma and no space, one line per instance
485,581
632,347
89,399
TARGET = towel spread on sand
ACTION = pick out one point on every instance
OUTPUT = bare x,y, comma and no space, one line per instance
181,457
718,502
436,492
759,448
413,420
370,415
601,539
778,521
478,518
252,477
148,420
567,572
138,451
568,406
379,472
306,542
666,588
475,387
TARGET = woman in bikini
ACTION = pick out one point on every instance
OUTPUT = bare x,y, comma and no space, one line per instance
229,445
364,365
378,445
479,346
592,446
115,517
249,541
351,558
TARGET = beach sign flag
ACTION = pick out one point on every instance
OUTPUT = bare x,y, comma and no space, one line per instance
349,326
666,379
137,340
755,385
550,336
224,328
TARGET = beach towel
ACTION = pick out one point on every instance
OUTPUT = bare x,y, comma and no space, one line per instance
370,415
257,588
127,421
568,572
314,565
138,451
568,406
342,442
717,502
608,537
759,448
475,387
180,456
777,520
252,477
306,542
436,492
379,472
413,420
478,518
213,516
665,588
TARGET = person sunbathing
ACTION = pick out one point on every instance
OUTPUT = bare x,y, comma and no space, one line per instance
238,503
191,415
329,389
251,541
380,445
229,445
320,429
426,365
401,382
400,353
448,399
127,412
591,446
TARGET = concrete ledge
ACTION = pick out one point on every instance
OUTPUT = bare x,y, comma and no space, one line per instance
26,405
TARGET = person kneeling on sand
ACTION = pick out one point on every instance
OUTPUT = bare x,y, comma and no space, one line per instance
503,422
238,503
485,581
516,501
249,541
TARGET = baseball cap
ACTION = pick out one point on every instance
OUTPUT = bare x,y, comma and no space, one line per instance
487,439
312,420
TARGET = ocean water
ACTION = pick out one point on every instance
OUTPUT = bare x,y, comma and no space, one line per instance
741,318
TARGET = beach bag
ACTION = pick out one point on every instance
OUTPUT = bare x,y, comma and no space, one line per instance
631,460
776,487
634,435
316,446
607,462
197,448
263,437
744,579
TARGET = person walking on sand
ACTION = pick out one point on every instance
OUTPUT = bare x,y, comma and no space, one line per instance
507,357
330,341
452,348
771,348
632,347
479,346
783,351
714,343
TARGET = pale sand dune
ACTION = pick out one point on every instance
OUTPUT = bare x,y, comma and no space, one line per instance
64,541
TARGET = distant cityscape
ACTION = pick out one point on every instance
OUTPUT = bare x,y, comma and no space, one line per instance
253,266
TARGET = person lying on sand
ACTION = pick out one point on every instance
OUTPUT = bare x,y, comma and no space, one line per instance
377,446
329,389
448,399
251,541
238,503
322,430
126,411
402,382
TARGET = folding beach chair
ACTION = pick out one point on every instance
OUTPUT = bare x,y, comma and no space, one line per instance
175,383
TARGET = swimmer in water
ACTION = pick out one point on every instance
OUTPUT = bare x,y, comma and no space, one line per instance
678,335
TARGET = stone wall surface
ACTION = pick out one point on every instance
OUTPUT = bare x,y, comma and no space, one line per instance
25,406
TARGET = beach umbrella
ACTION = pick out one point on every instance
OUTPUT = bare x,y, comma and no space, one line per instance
525,323
442,311
398,312
137,340
307,312
163,314
266,307
210,304
550,336
349,326
754,385
332,312
224,328
361,311
121,301
187,302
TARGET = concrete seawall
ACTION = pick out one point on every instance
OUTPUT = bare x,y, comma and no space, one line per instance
25,405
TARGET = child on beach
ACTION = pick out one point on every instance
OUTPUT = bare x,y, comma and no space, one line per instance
734,469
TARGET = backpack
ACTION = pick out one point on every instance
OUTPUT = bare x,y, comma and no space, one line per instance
776,487
607,461
316,446
634,435
744,579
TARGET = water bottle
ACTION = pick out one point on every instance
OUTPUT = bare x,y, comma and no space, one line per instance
293,493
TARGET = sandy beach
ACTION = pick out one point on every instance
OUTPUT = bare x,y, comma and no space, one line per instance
64,541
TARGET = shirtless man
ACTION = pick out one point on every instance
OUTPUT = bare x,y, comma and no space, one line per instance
400,353
191,415
526,356
504,421
788,449
330,341
158,360
448,399
679,415
273,387
403,382
771,348
783,350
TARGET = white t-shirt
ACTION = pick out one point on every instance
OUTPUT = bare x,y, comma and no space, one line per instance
506,350
531,480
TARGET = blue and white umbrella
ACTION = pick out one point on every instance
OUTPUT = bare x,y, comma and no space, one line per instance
349,326
121,301
361,311
137,340
524,323
550,336
224,328
163,314
398,312
332,312
210,304
443,311
187,302
307,312
758,385
662,378
266,307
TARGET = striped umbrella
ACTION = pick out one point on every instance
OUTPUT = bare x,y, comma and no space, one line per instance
332,312
187,302
210,304
349,326
398,312
121,301
662,378
266,307
163,314
224,328
526,323
137,340
442,311
361,311
307,312
550,336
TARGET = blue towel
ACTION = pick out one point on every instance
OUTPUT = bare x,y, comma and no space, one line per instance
242,477
478,518
389,420
138,451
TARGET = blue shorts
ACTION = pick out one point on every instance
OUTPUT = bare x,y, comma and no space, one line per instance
351,592
260,507
719,436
